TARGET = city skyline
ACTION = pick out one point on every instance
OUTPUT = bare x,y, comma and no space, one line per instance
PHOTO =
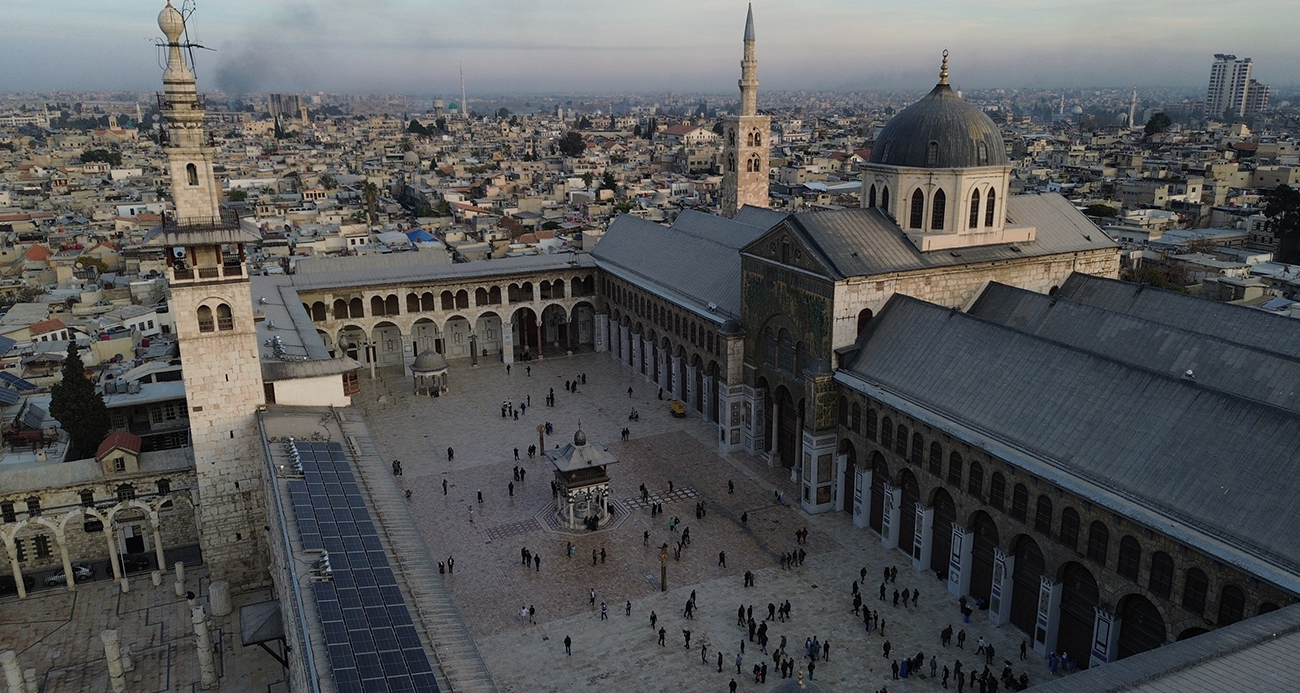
579,45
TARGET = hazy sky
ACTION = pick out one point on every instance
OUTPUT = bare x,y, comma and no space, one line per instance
554,46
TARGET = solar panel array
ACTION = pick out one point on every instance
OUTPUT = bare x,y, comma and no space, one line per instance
8,396
33,416
15,382
373,645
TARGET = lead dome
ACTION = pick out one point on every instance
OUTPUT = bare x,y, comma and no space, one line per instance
941,130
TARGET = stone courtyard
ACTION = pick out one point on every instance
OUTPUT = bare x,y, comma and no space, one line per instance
489,584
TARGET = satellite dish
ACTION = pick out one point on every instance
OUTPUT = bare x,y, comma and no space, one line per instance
178,252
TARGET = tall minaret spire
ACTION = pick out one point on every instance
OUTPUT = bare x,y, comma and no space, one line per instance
745,149
1132,108
194,188
749,71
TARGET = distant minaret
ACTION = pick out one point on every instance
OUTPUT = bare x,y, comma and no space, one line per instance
1132,108
745,151
464,106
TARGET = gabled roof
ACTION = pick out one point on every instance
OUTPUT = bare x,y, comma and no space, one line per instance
44,326
119,440
863,242
694,261
1198,464
1214,362
38,253
1254,328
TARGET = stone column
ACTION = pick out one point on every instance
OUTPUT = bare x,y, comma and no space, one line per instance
778,413
674,377
891,516
1000,594
922,541
1048,621
861,497
18,572
665,376
207,664
112,553
841,464
798,446
1105,637
13,676
219,597
755,418
507,343
113,654
707,394
180,579
602,332
29,678
959,560
688,389
67,560
158,546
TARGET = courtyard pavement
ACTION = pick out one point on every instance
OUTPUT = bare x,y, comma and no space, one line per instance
489,583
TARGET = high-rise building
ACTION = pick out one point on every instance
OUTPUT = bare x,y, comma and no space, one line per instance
745,139
1232,92
286,105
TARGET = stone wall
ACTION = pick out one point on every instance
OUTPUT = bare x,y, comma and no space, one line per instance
223,385
1113,586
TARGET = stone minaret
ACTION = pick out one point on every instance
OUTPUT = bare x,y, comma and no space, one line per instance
745,149
213,308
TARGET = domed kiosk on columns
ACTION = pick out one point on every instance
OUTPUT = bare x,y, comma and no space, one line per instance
429,374
582,482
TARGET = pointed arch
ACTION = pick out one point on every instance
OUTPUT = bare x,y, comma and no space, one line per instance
917,215
975,209
989,207
938,210
871,196
884,199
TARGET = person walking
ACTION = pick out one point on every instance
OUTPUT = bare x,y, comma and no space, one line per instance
720,665
704,655
602,555
885,648
662,633
740,658
604,612
629,392
687,634
512,489
627,611
444,487
537,563
731,486
532,615
722,558
961,638
480,496
591,601
568,646
451,454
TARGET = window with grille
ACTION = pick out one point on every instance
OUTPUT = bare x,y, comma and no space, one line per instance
1043,516
1098,542
1130,558
954,469
1070,528
871,424
975,479
918,449
41,543
900,441
1195,585
1019,502
7,512
88,498
997,490
125,492
936,459
1161,582
33,507
886,433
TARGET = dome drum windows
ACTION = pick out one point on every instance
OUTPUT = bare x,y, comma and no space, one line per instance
989,207
917,215
938,210
974,210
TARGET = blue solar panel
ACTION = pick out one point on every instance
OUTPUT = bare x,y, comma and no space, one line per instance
368,630
8,396
12,380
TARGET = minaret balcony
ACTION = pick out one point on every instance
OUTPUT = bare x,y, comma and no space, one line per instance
187,275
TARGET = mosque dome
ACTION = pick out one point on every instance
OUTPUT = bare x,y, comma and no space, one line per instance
1077,110
171,22
579,438
429,361
730,327
940,131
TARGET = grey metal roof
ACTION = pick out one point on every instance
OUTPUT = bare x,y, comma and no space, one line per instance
1260,654
760,216
1214,362
858,242
1253,328
277,300
368,276
954,126
373,262
696,260
1189,459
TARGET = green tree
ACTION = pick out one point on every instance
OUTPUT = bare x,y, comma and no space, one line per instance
1158,123
503,113
237,195
415,128
78,406
105,155
328,182
406,144
585,123
370,192
607,182
571,144
1282,207
587,178
1100,210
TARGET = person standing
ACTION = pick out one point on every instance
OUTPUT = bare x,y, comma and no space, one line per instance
444,487
704,655
722,558
720,665
512,489
537,563
568,646
604,612
451,454
629,392
662,633
451,564
687,634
